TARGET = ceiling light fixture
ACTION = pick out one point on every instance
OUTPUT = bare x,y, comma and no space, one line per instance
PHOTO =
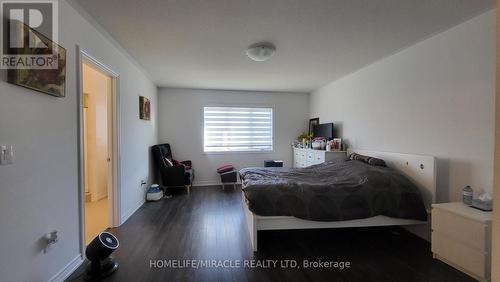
261,51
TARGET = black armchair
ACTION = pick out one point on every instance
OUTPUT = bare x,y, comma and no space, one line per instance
172,173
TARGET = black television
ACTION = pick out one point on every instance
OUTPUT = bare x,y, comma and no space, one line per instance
324,130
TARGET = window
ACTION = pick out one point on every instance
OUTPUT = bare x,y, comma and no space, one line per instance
230,129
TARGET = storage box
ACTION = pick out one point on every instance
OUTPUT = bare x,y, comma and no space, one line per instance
273,163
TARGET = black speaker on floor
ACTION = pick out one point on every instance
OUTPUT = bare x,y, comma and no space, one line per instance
97,252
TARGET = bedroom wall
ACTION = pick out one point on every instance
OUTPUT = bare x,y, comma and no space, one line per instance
495,271
434,98
180,116
39,192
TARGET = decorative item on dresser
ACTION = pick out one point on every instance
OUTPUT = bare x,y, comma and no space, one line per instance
309,157
461,237
312,124
304,140
336,144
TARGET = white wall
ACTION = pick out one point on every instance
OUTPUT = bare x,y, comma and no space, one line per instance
39,192
495,263
434,98
180,116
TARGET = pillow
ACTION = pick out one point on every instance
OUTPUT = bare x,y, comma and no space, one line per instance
225,168
376,162
176,162
367,159
357,157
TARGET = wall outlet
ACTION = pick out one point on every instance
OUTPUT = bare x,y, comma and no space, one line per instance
6,154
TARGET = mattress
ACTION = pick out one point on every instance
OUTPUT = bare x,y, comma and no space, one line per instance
333,191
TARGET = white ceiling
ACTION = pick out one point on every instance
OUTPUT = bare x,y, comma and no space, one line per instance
201,43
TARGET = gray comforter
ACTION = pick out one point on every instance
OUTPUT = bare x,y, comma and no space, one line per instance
340,190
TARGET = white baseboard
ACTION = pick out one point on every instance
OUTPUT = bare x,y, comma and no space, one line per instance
130,212
66,271
206,183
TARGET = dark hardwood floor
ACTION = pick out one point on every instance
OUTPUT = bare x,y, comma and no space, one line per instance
208,224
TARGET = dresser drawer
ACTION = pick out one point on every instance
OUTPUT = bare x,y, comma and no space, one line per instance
470,259
466,231
319,157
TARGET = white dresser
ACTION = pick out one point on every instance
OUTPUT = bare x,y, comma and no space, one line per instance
461,237
308,157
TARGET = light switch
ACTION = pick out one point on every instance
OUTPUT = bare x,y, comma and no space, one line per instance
6,154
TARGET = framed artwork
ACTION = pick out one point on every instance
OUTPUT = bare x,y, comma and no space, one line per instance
313,123
49,81
144,108
337,144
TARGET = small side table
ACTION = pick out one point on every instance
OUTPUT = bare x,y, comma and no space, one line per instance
229,177
461,237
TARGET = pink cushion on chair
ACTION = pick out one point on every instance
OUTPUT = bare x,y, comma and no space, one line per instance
186,167
225,168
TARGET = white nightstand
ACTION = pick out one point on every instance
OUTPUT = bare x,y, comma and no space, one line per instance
461,237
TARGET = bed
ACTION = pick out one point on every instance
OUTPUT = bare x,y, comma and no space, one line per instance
340,194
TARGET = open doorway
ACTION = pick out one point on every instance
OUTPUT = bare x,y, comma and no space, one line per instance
98,148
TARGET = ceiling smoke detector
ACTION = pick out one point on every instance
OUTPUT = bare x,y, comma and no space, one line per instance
261,51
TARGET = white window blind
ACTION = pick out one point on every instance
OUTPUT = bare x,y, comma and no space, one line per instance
229,129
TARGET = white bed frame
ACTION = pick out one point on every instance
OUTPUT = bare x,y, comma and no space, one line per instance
419,168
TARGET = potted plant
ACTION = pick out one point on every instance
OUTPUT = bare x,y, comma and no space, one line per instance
305,138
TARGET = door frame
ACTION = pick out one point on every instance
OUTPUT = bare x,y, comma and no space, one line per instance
114,211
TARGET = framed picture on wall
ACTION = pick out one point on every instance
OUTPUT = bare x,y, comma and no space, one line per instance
144,108
48,75
313,123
